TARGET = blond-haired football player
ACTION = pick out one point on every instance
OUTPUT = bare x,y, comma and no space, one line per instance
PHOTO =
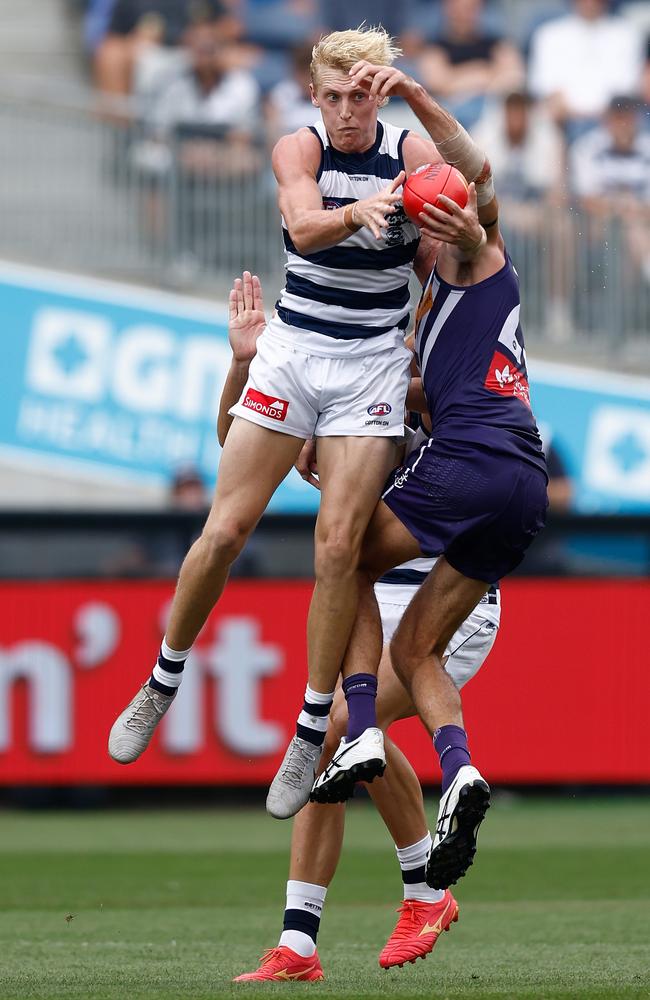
331,364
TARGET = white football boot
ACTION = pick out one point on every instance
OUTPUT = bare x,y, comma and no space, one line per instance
462,810
290,788
133,729
359,760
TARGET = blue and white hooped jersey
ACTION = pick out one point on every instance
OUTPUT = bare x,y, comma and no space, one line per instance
359,289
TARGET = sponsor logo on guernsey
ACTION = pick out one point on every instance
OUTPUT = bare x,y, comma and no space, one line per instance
506,379
379,409
266,406
400,480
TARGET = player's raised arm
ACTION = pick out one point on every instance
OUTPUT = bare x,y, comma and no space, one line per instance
452,141
246,322
296,159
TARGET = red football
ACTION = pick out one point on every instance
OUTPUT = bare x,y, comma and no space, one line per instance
427,183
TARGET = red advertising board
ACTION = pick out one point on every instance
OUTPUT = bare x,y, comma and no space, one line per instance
562,698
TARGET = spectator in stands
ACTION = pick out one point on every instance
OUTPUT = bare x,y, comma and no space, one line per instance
277,24
526,149
289,106
151,31
528,159
202,130
465,62
187,490
337,15
210,108
610,175
579,62
96,22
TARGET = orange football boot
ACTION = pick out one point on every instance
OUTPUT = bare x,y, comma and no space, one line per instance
417,930
281,964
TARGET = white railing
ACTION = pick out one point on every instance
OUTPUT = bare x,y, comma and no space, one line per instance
85,189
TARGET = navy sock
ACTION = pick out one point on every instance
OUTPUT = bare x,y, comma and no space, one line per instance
360,692
312,721
451,745
167,675
300,920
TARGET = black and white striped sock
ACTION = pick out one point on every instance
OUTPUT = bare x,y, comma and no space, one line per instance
312,721
412,861
302,915
168,671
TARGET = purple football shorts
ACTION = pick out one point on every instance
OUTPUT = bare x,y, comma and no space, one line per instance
478,508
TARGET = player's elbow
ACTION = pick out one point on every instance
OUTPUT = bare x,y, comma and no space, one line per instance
301,239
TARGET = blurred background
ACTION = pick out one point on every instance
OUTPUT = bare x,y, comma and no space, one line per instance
135,183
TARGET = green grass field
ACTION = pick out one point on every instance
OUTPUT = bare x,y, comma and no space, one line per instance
174,904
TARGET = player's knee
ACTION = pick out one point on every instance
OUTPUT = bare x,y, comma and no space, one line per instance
407,658
336,554
224,540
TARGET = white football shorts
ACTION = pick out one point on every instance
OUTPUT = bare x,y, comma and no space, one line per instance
307,395
470,644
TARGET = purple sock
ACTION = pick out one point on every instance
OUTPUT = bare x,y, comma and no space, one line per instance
360,692
451,745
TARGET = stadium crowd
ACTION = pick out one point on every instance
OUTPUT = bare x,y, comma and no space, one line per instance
559,95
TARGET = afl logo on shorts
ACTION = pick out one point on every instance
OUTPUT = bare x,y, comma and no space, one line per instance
266,406
379,409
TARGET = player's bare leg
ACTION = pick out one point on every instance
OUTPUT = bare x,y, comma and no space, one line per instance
253,464
387,543
397,796
352,471
317,843
440,606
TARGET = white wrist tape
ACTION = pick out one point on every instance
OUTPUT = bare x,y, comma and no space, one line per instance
485,189
461,151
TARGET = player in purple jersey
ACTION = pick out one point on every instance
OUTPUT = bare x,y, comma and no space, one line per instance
474,494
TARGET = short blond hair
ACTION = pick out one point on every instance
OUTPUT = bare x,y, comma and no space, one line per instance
342,49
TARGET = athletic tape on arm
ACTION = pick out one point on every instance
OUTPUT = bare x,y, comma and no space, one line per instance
461,151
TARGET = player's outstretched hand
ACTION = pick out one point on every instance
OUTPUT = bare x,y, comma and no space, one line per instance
373,212
246,319
381,81
456,225
306,463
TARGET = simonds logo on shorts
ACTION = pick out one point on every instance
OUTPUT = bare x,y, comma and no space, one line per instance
266,406
379,409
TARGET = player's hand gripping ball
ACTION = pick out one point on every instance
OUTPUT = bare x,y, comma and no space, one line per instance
428,182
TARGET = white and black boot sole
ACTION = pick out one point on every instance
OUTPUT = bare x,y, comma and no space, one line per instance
363,759
462,810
